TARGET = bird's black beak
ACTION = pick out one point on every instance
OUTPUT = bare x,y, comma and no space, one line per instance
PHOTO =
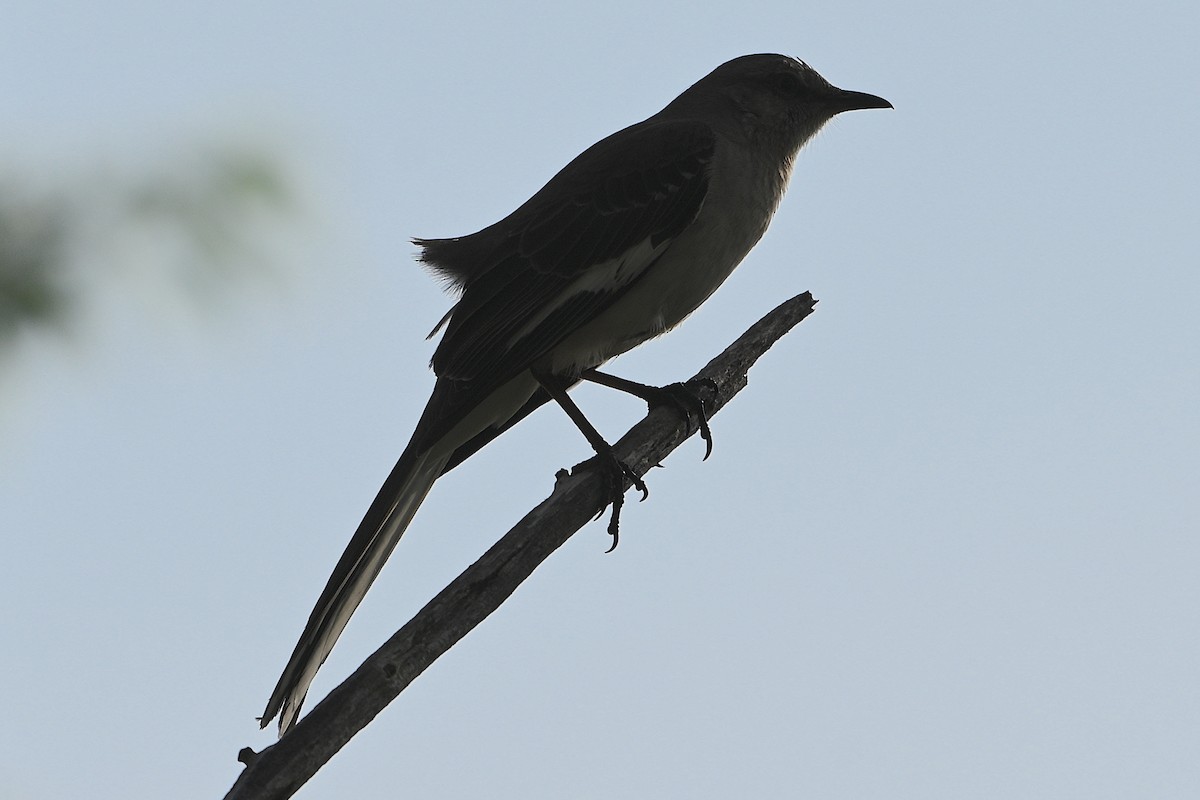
843,100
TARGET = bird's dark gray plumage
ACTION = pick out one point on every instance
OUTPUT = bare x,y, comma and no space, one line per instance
618,247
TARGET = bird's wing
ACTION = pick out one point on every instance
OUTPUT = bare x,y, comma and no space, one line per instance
565,255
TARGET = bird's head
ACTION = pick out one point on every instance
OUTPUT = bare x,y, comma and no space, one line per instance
773,95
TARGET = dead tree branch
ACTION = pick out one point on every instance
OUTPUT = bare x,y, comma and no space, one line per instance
278,771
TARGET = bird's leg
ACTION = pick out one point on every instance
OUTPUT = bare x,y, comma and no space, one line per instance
618,471
680,396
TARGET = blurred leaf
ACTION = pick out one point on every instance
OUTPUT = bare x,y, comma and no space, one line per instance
32,235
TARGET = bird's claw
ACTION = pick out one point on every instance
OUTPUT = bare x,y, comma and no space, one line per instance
618,472
685,399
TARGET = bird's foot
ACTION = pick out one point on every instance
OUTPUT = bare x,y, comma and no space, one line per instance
685,398
618,472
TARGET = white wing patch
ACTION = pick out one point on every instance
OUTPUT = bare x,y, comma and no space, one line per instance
603,278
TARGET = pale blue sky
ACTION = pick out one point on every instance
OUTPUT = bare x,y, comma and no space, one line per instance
946,546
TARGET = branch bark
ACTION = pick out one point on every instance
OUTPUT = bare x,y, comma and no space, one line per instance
279,770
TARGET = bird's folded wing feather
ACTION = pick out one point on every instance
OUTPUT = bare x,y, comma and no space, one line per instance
570,251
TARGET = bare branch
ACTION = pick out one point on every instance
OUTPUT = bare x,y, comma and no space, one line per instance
279,770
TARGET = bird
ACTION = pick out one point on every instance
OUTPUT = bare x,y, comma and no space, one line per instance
618,247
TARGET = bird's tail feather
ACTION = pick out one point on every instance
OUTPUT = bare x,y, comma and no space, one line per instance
376,537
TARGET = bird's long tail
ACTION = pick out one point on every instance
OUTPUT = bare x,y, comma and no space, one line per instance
376,537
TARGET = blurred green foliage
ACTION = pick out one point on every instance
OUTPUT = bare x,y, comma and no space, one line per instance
203,216
31,263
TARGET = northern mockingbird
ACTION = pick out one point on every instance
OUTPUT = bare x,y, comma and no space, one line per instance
619,247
